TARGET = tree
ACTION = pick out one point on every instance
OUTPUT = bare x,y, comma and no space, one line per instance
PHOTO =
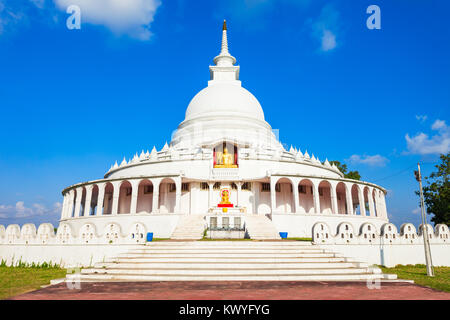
437,192
343,168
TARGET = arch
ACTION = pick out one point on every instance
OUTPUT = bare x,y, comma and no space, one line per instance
64,233
83,202
45,232
341,198
137,233
368,232
28,232
12,233
94,200
366,200
321,233
167,195
112,233
125,191
74,202
88,233
325,197
375,202
345,233
284,195
355,199
145,196
108,198
306,196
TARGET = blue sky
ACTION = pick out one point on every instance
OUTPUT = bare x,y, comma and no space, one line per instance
74,101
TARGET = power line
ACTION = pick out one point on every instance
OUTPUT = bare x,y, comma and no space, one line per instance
402,171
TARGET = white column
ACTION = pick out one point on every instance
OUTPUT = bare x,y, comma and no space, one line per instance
87,202
383,205
239,186
100,198
116,193
155,202
316,196
296,197
134,195
70,206
177,208
371,204
78,201
273,196
362,203
64,206
348,195
255,190
333,195
210,193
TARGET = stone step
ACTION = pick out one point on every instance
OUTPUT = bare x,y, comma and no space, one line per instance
226,259
232,254
237,265
241,243
225,251
223,272
234,277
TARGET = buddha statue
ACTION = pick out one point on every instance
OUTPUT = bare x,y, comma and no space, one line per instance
225,197
227,158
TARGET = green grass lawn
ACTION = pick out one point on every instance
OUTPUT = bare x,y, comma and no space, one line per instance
418,273
17,280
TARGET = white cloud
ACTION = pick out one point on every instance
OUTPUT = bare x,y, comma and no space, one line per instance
326,28
422,144
20,210
421,118
375,161
131,17
416,211
328,40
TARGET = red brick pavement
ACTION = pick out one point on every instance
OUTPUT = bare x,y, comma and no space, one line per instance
236,290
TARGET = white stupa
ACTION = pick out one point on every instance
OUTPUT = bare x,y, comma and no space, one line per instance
223,167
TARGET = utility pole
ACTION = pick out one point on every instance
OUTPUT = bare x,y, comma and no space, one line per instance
426,241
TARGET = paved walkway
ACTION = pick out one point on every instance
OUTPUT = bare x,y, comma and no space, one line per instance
236,290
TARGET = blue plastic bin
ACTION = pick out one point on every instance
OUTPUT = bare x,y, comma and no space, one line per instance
149,236
283,235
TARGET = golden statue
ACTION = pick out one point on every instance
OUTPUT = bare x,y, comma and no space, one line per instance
225,160
225,197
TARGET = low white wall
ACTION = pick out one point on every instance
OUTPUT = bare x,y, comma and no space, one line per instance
392,255
301,225
67,255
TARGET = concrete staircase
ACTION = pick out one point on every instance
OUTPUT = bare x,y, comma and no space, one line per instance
229,261
190,227
260,228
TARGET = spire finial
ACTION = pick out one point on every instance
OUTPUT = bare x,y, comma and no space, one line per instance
224,28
